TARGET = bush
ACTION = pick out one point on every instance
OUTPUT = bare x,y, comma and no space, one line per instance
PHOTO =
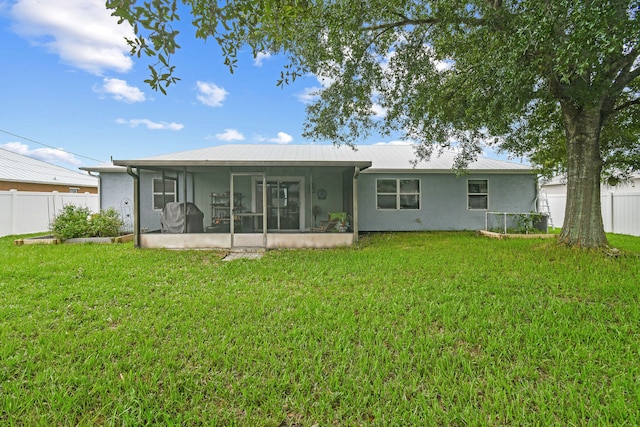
76,221
105,224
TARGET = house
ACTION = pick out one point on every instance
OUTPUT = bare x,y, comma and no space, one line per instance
283,196
32,192
22,173
620,204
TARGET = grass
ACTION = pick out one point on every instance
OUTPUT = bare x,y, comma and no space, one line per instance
406,329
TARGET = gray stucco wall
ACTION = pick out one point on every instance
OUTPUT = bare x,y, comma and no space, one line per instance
443,197
443,201
114,189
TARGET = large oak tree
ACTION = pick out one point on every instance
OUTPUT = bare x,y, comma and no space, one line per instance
554,80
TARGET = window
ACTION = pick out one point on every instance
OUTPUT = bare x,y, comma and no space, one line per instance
478,194
164,191
74,190
398,193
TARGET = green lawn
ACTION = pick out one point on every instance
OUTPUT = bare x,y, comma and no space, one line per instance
406,329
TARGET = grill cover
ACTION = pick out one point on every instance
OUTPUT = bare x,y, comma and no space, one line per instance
172,218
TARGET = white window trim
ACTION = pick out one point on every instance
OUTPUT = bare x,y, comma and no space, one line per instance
154,193
477,194
397,193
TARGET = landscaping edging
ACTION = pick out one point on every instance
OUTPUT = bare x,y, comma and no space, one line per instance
52,240
494,235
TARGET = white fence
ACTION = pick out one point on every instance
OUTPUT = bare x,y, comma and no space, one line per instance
23,212
620,212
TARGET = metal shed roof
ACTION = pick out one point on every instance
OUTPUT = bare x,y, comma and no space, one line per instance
377,158
18,168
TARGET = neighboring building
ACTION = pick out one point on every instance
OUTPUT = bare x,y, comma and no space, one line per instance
620,204
274,196
33,192
22,173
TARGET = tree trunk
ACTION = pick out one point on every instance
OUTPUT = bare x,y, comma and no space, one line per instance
583,225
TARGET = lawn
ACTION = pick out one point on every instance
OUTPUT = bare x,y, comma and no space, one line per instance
405,329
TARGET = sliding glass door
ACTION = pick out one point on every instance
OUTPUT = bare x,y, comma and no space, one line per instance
285,204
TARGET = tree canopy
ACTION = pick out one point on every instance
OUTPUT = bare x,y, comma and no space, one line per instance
556,81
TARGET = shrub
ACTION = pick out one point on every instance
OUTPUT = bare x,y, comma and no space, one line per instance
105,224
74,221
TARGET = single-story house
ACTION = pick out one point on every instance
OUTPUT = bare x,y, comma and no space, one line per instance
33,192
310,196
620,204
22,173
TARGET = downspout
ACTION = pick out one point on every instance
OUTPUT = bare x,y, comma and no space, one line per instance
136,207
536,199
99,176
356,173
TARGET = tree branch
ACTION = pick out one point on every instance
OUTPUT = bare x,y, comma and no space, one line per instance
622,70
476,22
627,105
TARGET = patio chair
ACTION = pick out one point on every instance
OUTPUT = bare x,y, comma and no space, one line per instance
326,226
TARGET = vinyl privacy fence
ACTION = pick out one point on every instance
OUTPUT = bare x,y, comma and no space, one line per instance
23,212
620,211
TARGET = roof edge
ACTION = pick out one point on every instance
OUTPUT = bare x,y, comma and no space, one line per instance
185,163
449,171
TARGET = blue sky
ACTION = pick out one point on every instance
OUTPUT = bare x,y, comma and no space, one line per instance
68,82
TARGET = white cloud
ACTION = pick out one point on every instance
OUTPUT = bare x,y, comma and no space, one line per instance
120,90
82,32
309,94
260,58
282,138
230,135
378,111
51,155
151,125
210,94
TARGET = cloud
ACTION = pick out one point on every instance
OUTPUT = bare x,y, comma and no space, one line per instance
309,94
260,58
282,138
210,94
151,125
378,111
120,90
81,32
230,135
51,155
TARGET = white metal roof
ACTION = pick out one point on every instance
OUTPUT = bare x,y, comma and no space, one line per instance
400,157
256,155
377,158
18,168
104,167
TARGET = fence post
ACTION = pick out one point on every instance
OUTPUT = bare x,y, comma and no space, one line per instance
13,211
613,230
